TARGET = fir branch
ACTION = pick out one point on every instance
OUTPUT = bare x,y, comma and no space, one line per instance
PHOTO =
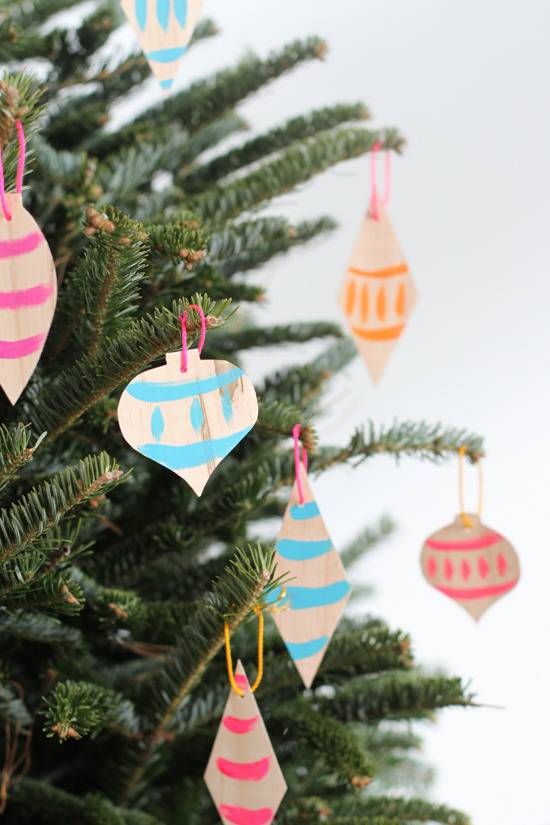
24,627
15,452
249,337
209,136
295,166
240,247
295,130
275,418
405,810
26,521
77,709
367,539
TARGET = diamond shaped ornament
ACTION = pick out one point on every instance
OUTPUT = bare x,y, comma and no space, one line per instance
243,775
378,294
188,422
317,589
164,29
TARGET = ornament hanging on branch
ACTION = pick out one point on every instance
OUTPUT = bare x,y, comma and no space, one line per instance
28,285
378,293
313,602
469,562
189,414
164,29
243,775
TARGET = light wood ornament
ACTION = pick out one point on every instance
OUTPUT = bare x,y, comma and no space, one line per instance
189,421
473,565
243,775
28,294
308,610
164,29
378,294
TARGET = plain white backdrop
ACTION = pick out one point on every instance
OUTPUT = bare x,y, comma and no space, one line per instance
467,83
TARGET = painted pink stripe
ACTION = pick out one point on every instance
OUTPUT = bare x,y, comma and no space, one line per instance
470,544
241,681
17,298
246,816
25,346
20,246
478,592
244,771
236,725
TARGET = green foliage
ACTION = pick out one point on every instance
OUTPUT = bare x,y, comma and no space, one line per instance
115,580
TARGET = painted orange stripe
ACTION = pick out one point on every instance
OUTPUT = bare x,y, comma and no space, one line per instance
350,297
364,302
400,269
381,304
384,334
400,300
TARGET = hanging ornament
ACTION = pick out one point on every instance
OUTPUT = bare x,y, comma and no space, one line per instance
468,561
243,775
316,596
378,293
189,414
164,29
28,285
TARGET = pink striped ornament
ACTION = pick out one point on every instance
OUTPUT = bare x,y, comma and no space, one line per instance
473,565
28,294
243,775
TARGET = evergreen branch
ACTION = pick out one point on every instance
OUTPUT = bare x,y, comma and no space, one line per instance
295,166
296,130
22,626
77,709
15,452
26,521
275,418
45,800
367,539
243,246
247,578
20,95
206,100
405,810
79,388
249,337
209,136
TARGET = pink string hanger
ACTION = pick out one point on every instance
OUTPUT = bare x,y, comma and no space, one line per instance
202,336
296,430
19,174
376,202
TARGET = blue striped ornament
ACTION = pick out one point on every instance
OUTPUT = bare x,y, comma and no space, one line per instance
309,609
164,29
188,422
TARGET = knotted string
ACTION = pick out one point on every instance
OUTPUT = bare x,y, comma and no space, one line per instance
375,201
229,657
466,520
296,430
19,174
200,345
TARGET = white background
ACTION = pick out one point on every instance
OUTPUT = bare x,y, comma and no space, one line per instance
467,83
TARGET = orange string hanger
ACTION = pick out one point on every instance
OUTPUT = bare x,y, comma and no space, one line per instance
466,520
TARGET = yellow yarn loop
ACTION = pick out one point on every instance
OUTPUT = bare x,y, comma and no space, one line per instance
229,657
466,520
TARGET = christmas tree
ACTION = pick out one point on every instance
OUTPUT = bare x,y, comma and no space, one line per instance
116,579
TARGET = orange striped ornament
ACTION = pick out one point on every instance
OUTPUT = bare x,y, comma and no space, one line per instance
28,294
243,775
378,293
470,563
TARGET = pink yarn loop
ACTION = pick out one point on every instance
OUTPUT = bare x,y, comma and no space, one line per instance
19,174
296,430
202,336
375,201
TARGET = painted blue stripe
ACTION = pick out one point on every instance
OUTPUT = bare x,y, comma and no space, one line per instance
166,55
163,13
166,84
301,512
295,550
192,455
227,405
157,424
302,598
155,392
197,415
304,650
141,13
180,10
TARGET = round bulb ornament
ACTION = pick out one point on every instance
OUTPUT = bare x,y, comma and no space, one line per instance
189,414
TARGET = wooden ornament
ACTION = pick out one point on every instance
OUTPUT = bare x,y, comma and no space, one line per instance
473,565
189,421
378,294
310,607
164,29
243,775
28,294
